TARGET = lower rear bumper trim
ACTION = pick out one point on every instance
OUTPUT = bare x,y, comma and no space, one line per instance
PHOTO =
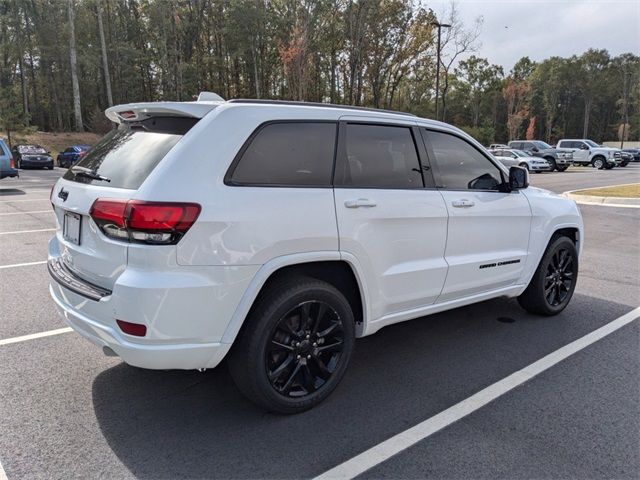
65,277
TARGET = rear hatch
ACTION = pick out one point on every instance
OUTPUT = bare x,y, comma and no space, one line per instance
95,249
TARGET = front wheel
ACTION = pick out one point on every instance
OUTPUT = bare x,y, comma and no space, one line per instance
295,345
598,163
554,281
563,168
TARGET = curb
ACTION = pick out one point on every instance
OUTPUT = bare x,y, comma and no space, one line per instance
604,201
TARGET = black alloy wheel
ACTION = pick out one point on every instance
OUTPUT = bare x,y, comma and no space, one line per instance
559,277
306,347
295,345
554,281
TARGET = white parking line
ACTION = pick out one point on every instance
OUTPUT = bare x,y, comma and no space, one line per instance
28,231
25,213
27,264
3,475
396,444
24,338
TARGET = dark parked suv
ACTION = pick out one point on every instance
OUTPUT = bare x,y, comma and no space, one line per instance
558,158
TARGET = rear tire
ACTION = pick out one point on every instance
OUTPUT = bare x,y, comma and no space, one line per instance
295,345
554,281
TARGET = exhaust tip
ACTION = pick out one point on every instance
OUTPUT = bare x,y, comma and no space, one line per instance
109,352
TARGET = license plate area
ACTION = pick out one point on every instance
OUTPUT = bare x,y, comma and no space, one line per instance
71,227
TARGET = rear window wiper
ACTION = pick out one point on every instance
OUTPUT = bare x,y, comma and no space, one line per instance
88,173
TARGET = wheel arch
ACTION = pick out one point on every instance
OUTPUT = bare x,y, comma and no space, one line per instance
326,266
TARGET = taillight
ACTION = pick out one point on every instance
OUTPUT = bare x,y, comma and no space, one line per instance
163,223
12,163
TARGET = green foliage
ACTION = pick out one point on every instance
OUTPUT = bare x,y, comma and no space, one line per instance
378,53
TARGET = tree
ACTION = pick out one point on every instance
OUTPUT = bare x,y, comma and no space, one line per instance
515,93
77,108
591,66
103,49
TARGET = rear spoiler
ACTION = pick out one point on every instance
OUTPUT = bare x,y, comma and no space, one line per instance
206,102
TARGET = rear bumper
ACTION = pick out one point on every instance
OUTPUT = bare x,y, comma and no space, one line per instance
159,357
186,309
10,172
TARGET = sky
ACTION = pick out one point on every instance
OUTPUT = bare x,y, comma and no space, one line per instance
541,29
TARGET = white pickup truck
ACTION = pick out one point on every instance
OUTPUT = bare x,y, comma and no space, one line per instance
588,152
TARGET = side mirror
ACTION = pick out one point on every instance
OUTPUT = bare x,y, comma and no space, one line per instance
518,178
535,149
584,147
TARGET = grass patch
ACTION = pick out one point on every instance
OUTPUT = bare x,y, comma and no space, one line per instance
622,191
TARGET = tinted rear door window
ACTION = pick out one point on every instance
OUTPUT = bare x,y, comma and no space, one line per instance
128,154
378,156
288,154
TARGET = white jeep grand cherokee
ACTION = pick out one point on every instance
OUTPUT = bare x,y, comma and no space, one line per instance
275,233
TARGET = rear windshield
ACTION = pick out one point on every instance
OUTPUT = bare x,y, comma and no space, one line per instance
126,156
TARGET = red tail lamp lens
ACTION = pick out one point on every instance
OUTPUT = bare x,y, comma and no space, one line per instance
162,216
135,329
144,222
111,211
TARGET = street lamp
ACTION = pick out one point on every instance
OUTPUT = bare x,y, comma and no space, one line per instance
440,26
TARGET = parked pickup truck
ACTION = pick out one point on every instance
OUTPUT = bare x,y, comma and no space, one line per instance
559,159
588,152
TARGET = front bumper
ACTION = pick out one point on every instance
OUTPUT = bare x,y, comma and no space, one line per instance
36,163
564,161
540,168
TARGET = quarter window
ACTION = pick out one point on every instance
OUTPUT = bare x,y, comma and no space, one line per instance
288,154
378,156
460,165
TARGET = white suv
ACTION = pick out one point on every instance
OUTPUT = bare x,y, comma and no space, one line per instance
275,233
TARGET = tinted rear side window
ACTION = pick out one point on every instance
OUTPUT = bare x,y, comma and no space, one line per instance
128,154
288,154
379,156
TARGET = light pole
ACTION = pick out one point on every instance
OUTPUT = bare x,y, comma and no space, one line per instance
439,25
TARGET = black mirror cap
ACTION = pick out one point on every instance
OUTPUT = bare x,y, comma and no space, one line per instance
518,178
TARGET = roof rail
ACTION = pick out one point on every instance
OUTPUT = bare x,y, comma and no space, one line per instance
316,104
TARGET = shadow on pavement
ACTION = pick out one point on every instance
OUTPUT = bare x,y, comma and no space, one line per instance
194,425
11,191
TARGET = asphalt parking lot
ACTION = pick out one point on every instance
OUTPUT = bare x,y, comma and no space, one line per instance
67,411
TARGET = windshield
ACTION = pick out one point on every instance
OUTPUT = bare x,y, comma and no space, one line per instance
126,156
37,149
591,144
542,145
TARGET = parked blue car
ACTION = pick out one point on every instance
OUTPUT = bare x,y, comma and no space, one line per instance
7,164
72,154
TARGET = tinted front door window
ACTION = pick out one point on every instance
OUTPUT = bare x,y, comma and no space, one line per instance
461,166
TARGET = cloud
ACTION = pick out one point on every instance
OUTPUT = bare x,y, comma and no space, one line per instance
541,29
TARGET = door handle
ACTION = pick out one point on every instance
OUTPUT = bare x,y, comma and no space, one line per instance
464,203
360,202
